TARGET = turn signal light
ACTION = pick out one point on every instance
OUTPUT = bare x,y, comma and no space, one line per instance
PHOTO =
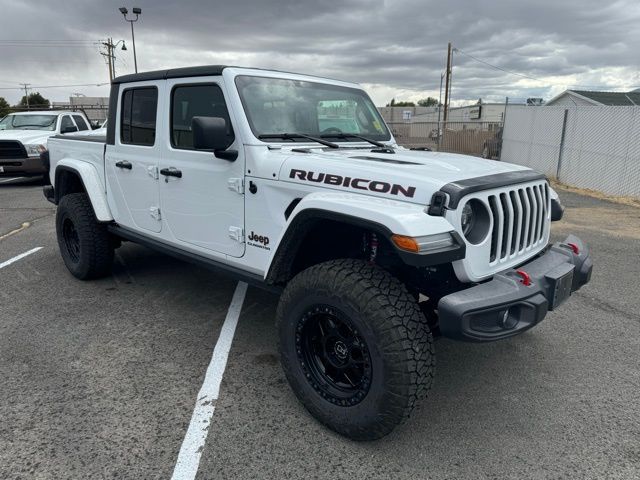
405,243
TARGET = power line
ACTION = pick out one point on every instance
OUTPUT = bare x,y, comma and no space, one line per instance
44,42
48,45
457,50
98,84
530,77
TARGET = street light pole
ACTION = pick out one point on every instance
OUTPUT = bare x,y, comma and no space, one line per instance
133,40
137,12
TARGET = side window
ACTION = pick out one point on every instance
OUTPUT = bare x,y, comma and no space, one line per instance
138,117
188,101
82,125
66,123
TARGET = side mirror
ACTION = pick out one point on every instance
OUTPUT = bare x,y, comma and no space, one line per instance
212,134
69,129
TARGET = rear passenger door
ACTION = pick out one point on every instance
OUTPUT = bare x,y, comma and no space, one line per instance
131,163
203,208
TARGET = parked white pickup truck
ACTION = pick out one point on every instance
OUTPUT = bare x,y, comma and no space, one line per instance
23,137
294,183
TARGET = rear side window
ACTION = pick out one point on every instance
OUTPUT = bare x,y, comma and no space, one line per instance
138,117
82,125
188,101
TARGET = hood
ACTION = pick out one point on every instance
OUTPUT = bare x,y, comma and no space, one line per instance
412,176
27,137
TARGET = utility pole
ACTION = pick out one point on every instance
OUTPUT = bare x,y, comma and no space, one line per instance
26,92
447,83
110,57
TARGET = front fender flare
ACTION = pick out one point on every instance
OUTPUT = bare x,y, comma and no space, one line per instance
382,216
92,185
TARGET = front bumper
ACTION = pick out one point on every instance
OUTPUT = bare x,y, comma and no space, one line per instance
22,166
505,306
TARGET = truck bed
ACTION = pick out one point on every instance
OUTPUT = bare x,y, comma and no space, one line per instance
85,148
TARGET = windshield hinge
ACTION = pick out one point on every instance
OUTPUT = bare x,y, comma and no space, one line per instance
236,184
153,172
237,234
155,213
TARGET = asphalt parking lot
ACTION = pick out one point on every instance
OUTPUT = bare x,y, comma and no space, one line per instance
99,379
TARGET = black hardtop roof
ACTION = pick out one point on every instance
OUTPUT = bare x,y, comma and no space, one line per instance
172,73
199,71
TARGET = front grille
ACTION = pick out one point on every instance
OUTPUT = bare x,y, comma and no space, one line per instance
12,149
519,220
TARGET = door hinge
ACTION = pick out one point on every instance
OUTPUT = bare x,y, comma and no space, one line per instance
153,172
237,234
155,213
236,184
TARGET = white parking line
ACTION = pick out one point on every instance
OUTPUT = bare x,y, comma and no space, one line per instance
10,179
189,457
18,257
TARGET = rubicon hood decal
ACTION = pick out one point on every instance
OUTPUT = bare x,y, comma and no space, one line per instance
378,186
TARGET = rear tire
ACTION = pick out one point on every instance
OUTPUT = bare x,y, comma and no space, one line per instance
85,244
355,347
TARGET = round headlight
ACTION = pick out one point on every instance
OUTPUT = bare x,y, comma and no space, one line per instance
474,221
466,218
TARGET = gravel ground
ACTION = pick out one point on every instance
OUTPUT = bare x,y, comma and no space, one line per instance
99,379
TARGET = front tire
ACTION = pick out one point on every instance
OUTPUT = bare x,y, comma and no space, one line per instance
355,347
85,244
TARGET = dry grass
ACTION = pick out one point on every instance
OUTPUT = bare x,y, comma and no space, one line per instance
631,201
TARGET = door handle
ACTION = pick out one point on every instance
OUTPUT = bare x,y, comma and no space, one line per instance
124,164
171,172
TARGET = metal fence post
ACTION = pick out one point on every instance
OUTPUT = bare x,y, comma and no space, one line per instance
504,124
564,130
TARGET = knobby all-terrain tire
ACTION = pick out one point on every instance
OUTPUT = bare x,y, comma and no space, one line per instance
85,244
391,324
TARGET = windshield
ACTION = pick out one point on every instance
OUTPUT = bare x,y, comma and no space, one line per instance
28,122
275,106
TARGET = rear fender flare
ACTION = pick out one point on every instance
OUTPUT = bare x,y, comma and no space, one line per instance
92,185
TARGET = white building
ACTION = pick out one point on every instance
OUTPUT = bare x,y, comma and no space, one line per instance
95,108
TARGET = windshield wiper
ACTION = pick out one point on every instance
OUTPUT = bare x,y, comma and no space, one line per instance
291,136
353,135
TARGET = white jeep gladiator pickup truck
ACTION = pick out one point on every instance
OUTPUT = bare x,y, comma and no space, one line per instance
294,183
23,138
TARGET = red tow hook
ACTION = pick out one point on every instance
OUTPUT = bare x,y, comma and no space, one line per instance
525,277
574,247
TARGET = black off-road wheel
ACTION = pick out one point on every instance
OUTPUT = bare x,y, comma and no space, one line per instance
355,347
85,244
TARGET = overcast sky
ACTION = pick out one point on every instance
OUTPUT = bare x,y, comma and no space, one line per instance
394,48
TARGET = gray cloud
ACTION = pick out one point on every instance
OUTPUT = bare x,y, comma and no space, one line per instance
396,48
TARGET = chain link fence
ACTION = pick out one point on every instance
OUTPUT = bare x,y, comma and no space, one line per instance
470,138
592,147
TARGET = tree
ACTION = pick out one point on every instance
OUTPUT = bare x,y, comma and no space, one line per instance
393,103
428,102
35,100
5,108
